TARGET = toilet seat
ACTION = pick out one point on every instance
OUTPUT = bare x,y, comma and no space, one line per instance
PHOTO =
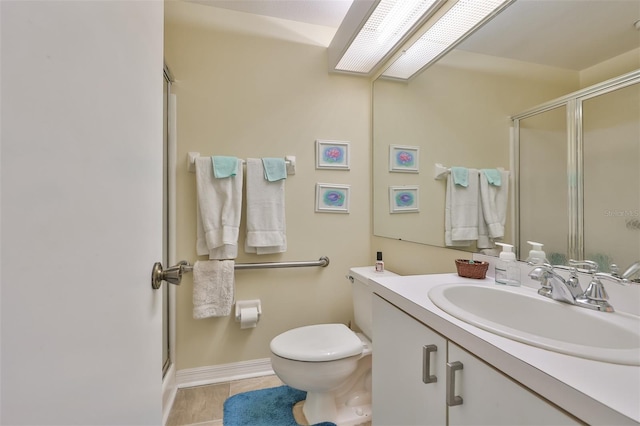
317,343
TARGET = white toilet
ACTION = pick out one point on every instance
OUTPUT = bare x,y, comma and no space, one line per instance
331,362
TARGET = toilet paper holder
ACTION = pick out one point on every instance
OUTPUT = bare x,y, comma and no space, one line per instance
246,304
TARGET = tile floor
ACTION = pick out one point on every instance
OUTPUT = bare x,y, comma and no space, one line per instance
203,405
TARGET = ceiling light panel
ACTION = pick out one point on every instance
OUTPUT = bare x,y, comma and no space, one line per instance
387,25
443,35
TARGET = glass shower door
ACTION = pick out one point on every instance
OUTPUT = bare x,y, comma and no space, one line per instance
611,170
543,194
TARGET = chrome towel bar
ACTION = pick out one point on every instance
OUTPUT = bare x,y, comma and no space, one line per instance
323,261
173,275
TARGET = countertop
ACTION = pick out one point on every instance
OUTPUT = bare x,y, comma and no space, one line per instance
595,392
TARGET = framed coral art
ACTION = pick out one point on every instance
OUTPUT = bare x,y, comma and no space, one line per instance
403,199
332,155
332,198
404,159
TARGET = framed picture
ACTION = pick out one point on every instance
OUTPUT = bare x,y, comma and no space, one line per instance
403,199
332,198
404,159
332,155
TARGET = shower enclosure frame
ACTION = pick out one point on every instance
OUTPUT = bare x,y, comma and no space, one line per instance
573,103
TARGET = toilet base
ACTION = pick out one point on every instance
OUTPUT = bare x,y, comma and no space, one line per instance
346,415
348,406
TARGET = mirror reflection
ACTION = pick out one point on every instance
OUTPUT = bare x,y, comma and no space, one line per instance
457,113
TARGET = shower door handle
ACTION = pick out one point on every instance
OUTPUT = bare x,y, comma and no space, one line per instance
172,275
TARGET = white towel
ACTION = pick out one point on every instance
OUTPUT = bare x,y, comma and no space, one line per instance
494,204
461,211
213,288
266,230
218,211
484,242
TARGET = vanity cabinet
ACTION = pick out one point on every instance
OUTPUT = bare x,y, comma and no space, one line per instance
410,387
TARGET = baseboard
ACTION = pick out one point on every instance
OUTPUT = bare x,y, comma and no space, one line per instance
223,373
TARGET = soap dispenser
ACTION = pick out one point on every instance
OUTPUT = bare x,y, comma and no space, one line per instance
536,255
507,270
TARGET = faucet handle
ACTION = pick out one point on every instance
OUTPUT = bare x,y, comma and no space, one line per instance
614,270
611,277
591,267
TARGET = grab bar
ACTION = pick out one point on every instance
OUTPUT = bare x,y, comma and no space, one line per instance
173,275
323,262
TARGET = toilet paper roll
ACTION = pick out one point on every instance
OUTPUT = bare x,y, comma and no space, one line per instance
248,317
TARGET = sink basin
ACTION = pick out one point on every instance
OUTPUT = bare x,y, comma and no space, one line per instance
519,313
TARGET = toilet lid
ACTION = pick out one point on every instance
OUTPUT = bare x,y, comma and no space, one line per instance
322,342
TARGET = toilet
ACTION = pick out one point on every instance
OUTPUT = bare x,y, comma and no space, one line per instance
331,362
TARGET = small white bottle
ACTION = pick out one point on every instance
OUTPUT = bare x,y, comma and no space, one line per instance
536,255
379,262
507,270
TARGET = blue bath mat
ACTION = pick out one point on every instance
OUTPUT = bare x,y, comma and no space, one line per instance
264,407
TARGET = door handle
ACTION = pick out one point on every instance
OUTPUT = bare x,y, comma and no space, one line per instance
452,398
172,275
427,377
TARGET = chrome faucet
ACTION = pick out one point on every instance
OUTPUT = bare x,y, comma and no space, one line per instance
554,286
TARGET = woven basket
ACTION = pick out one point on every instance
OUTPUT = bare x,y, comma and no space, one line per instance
477,270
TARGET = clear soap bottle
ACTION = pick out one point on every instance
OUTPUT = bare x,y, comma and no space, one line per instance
507,270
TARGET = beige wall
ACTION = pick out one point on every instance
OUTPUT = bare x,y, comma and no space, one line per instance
250,86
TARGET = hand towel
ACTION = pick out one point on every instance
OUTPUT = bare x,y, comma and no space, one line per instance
274,169
460,176
219,208
493,176
461,211
494,204
266,230
213,288
484,242
223,166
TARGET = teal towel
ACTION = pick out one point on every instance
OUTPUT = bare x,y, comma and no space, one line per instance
224,167
274,169
494,177
460,176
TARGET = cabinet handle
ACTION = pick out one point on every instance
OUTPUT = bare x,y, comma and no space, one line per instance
427,377
452,399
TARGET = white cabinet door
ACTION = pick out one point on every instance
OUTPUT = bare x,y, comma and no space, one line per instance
400,396
491,398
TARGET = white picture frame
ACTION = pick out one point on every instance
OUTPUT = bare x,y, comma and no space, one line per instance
404,199
332,198
404,159
333,155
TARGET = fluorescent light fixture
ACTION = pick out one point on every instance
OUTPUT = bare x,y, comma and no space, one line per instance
454,26
378,32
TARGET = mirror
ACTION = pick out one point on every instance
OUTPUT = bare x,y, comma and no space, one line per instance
457,112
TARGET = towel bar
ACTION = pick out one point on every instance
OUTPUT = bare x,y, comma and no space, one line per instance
289,160
440,171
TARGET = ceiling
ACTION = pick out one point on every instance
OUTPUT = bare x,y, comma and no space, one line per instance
319,12
570,34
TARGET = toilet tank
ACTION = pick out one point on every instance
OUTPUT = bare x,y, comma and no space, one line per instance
363,296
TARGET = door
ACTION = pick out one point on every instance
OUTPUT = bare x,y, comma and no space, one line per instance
491,398
408,369
81,217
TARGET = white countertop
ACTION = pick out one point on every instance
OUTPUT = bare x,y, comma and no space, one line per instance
595,392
